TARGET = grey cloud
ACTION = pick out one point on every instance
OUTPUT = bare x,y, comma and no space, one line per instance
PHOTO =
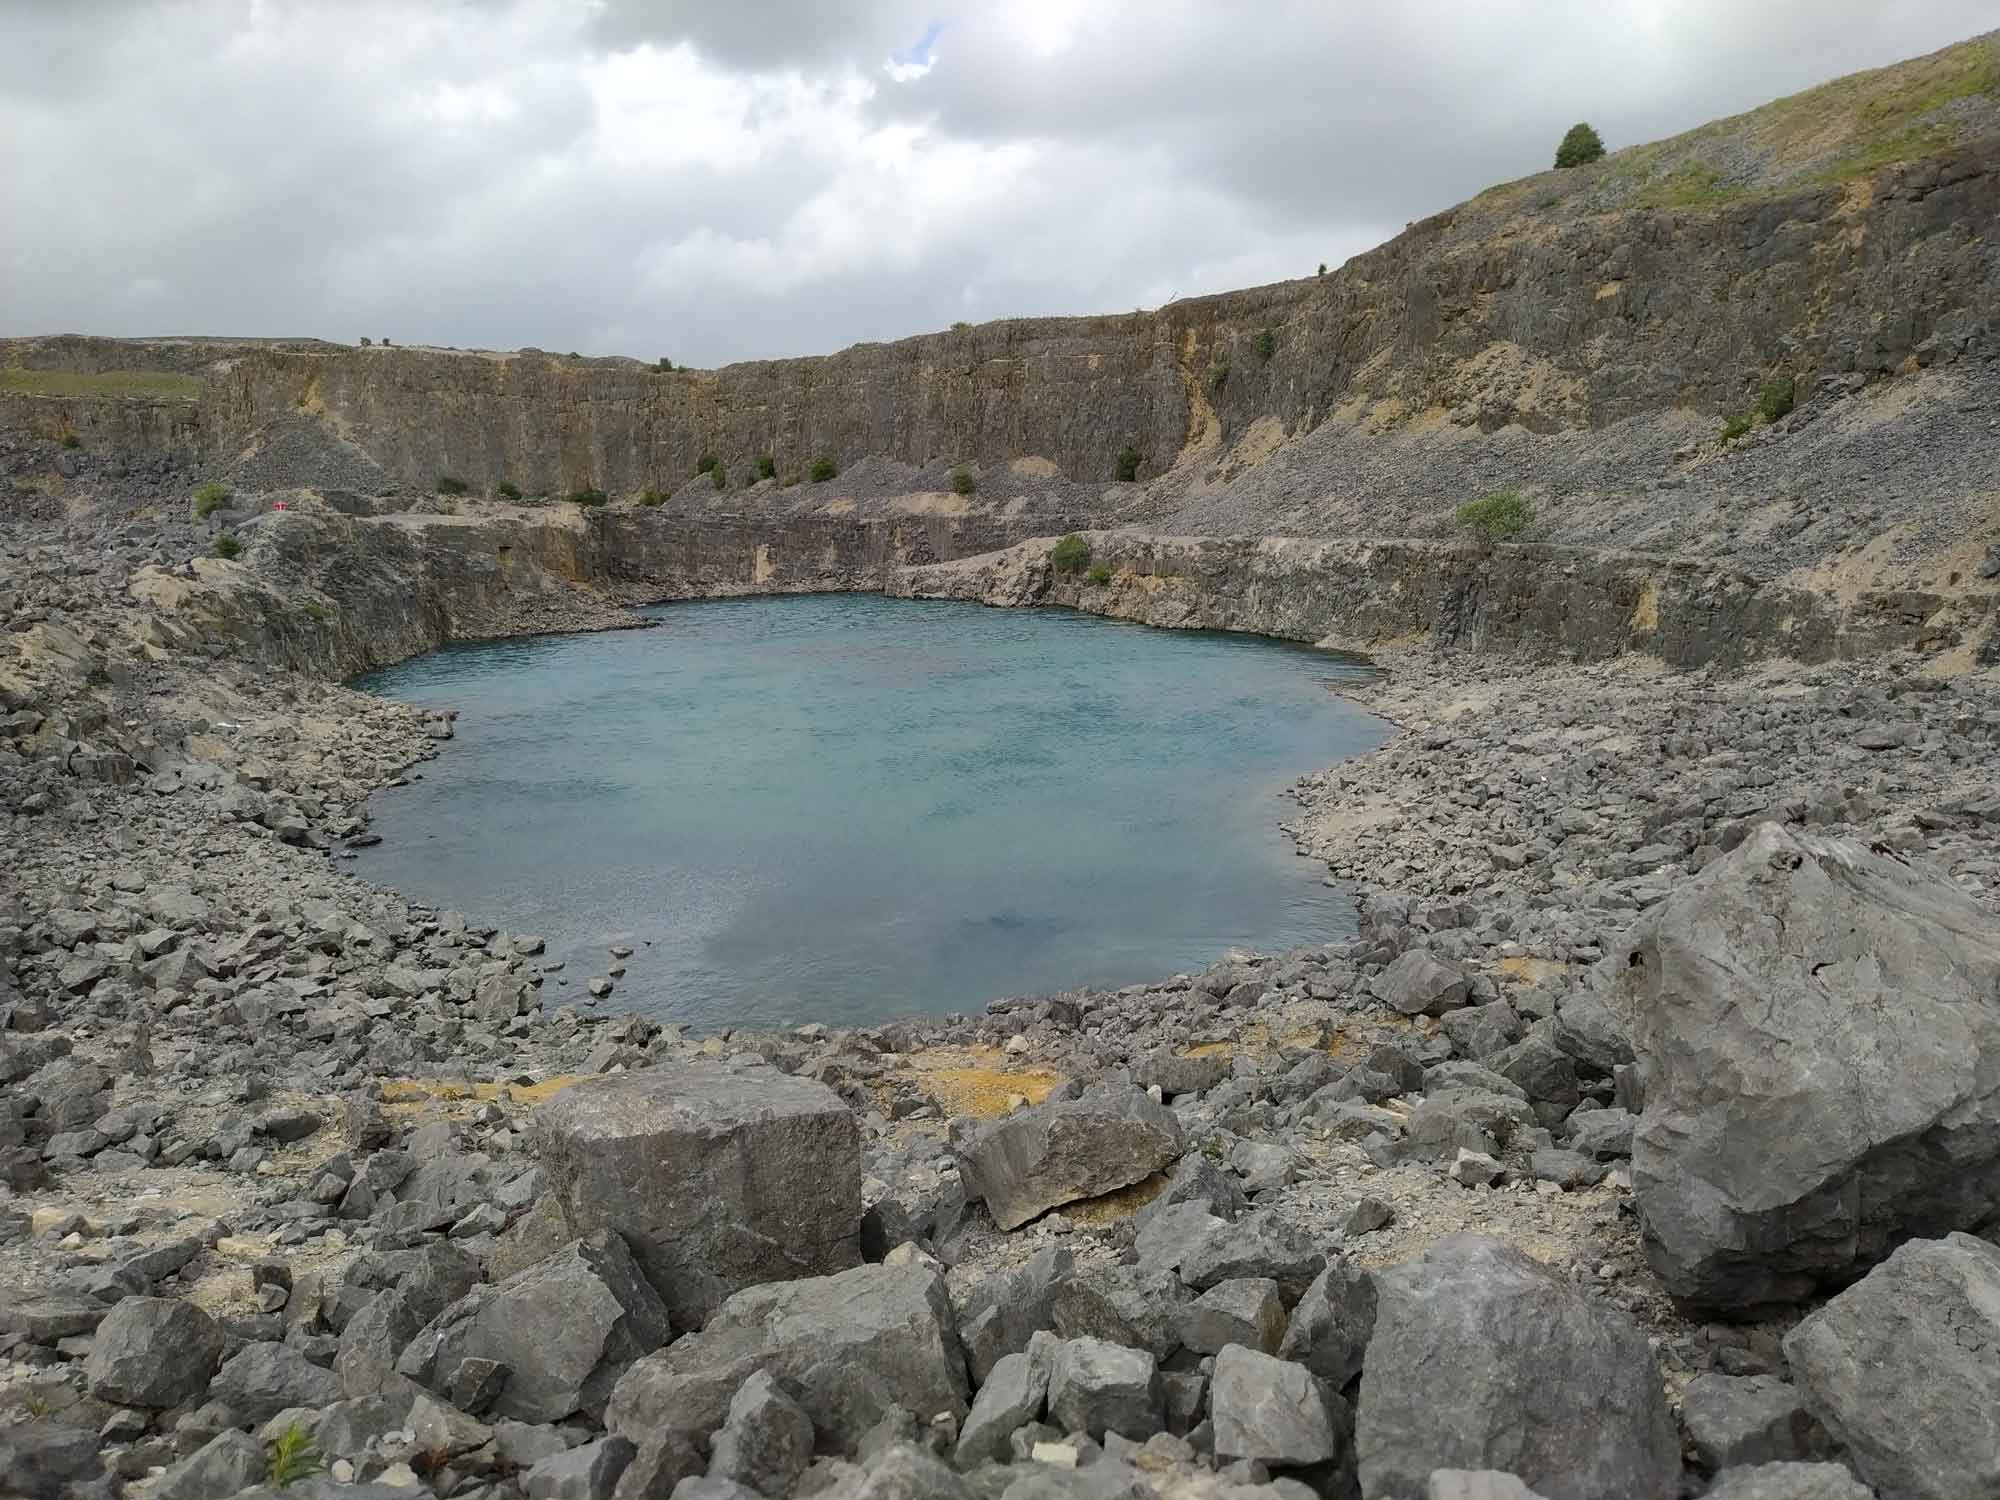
501,172
768,33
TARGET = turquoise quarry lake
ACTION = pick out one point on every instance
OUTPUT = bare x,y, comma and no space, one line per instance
845,807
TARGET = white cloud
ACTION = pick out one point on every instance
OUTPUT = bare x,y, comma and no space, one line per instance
717,182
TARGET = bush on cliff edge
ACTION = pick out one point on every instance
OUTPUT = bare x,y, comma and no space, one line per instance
1070,555
822,470
209,499
1498,517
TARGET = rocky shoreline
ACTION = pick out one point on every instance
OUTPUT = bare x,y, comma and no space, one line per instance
293,1164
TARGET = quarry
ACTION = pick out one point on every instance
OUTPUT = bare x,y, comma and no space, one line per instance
1642,1141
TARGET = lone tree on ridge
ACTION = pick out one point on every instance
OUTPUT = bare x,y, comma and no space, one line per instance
1582,144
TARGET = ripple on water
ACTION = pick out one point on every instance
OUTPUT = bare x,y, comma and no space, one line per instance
845,807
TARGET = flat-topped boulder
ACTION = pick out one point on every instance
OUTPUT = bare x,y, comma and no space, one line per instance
718,1177
1818,1045
1040,1158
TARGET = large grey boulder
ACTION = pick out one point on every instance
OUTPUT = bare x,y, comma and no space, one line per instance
590,1472
766,1441
1257,1245
260,1380
1422,984
566,1330
1003,1312
228,1462
1482,1358
1015,1392
718,1177
1739,1420
1040,1158
850,1346
1331,1326
1819,1049
1245,1311
50,1461
1136,1305
1903,1369
153,1351
1788,1482
1273,1411
1097,1387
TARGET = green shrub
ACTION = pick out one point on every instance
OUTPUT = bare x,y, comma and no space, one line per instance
721,476
1498,517
1582,144
449,484
1776,399
1218,375
1128,464
1099,575
664,365
290,1458
705,463
70,440
1267,344
650,497
1735,426
962,482
961,326
823,468
506,489
1070,555
1322,268
228,545
587,496
209,499
767,466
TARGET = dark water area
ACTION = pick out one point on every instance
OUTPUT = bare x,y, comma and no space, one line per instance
846,807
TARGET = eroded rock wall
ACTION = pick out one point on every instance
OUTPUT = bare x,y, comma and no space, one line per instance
1487,313
1561,602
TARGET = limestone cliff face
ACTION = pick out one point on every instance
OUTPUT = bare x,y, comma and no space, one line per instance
1521,601
335,595
1489,314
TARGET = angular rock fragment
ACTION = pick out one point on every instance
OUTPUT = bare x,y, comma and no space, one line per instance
153,1351
1097,1387
1331,1326
1273,1411
1788,1482
718,1178
850,1345
1422,984
1014,1393
1476,1484
1903,1369
1820,1057
1040,1158
1246,1312
766,1440
1481,1356
1739,1420
566,1329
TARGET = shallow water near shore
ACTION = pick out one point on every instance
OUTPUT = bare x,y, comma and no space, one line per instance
846,807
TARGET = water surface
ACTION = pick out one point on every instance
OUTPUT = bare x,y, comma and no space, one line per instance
847,807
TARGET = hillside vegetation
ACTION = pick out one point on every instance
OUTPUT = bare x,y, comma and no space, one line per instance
1822,137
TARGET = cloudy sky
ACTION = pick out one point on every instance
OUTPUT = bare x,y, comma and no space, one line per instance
728,179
